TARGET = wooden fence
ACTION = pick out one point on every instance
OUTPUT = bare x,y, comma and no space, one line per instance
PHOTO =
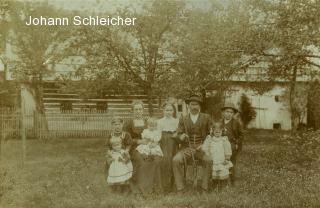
10,123
57,125
74,125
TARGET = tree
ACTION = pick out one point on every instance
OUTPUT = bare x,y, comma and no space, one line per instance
8,91
247,112
139,55
33,46
211,47
285,34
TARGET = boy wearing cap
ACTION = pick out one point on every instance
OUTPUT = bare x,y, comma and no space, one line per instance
192,131
232,128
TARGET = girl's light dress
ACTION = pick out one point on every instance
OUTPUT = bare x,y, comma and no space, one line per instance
218,149
119,170
154,138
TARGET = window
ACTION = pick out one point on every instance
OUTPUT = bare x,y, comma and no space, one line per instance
276,126
102,106
179,107
276,98
65,106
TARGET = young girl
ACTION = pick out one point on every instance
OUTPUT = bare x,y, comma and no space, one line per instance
218,149
118,159
152,137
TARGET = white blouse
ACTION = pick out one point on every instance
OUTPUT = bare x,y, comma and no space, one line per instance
168,124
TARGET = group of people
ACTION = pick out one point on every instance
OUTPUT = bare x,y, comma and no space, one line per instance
147,156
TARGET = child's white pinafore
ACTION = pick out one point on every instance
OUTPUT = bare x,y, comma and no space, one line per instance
217,148
119,171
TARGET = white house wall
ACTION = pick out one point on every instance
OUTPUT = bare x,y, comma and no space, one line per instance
269,111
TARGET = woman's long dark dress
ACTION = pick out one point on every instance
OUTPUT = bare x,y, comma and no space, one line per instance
169,149
146,174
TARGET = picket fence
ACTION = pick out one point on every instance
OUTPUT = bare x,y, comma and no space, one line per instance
57,124
10,121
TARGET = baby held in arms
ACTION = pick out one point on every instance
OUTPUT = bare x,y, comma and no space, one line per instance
151,136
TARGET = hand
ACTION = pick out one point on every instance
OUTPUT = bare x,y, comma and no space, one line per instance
183,136
121,159
125,158
174,135
152,145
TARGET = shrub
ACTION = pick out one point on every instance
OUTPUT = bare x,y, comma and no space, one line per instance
247,112
213,105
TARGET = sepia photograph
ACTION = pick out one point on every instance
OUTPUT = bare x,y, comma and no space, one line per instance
159,103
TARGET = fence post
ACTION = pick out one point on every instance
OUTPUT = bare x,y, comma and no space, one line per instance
40,120
23,129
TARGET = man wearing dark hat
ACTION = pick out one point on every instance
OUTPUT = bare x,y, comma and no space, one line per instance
193,129
232,128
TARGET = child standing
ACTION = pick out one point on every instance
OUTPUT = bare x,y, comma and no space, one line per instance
118,159
232,128
151,136
218,149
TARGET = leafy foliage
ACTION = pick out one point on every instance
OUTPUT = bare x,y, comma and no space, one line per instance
9,94
33,46
247,112
139,55
5,7
213,105
285,35
211,46
174,49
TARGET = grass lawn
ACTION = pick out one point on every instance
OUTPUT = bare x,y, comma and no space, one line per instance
69,173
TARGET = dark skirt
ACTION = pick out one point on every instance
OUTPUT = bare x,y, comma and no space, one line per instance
169,149
146,174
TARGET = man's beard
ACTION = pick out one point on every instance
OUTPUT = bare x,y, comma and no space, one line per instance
195,111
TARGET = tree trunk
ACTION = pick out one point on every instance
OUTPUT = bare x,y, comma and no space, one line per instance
23,120
313,115
291,98
42,121
204,100
150,100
